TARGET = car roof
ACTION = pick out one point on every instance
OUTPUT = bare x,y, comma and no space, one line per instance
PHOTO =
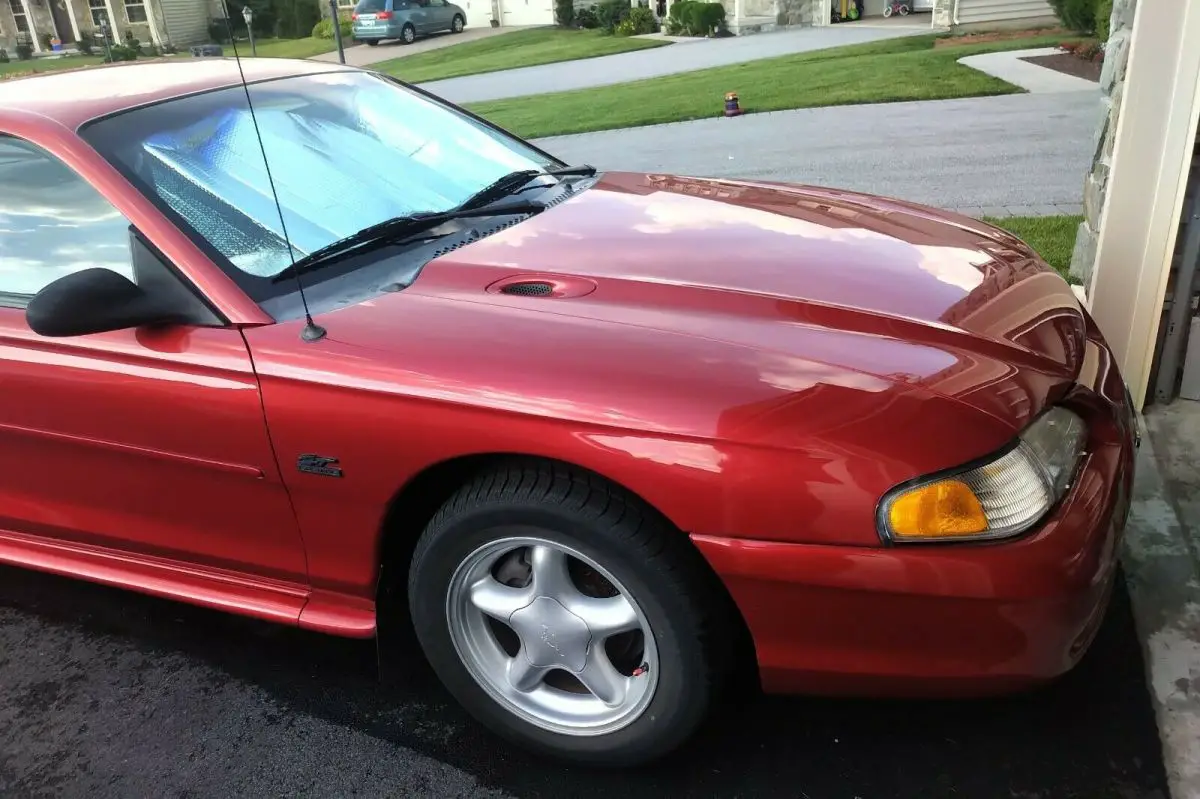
73,97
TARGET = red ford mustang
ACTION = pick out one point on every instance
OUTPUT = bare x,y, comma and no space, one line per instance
282,347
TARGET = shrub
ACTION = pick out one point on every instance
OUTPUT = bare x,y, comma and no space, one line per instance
1104,11
218,32
86,44
707,18
610,13
1077,15
122,52
296,18
693,18
4,59
24,51
639,21
46,38
324,29
587,18
564,12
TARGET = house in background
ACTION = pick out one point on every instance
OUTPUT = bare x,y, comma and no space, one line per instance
991,14
157,22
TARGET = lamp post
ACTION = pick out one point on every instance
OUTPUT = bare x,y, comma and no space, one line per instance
104,33
337,30
248,15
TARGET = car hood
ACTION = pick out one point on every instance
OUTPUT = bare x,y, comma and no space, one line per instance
855,287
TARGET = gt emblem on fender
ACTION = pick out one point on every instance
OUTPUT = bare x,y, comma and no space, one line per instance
319,464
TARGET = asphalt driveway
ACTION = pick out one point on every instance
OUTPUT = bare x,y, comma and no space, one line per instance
679,57
1021,153
360,55
107,694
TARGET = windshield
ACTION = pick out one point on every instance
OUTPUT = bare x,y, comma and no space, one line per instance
345,150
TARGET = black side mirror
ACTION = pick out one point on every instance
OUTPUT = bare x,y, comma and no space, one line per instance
91,301
100,300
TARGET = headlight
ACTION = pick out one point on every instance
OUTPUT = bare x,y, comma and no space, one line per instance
1001,498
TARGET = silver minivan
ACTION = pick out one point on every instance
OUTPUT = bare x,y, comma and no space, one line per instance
376,20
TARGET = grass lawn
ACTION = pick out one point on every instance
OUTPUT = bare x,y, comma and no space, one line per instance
1052,236
15,68
286,48
525,48
909,68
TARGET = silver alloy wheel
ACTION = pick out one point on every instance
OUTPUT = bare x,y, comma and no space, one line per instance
544,647
458,25
409,34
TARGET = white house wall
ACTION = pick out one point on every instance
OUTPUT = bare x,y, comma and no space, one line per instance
976,12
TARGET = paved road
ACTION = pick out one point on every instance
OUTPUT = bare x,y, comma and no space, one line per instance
112,695
680,57
976,154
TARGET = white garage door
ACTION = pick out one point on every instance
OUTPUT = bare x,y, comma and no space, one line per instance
527,12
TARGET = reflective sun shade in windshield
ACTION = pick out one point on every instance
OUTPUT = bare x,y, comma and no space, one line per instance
344,150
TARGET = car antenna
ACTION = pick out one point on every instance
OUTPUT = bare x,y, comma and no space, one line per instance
312,331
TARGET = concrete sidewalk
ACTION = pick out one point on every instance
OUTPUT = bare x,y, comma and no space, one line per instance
1019,154
680,57
1162,566
1010,66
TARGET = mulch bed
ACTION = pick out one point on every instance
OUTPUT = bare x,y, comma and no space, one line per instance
1000,36
1069,64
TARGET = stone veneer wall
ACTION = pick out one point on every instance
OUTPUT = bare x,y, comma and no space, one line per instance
1095,185
943,13
800,12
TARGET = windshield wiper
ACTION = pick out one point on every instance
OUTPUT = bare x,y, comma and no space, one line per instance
394,231
515,181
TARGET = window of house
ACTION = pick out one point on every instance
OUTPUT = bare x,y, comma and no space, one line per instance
135,12
98,11
347,3
19,18
54,224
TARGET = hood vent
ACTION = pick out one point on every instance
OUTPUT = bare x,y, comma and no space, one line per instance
548,286
533,288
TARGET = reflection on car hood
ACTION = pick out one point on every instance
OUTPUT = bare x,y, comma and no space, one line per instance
705,307
865,288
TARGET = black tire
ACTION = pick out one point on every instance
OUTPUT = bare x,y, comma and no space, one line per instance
408,34
372,42
458,24
652,560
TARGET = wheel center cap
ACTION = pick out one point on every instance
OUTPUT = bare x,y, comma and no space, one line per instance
551,635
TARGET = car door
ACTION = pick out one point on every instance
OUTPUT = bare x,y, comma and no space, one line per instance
438,15
150,443
421,15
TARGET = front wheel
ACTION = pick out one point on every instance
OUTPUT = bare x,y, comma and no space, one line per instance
566,617
408,34
887,9
458,24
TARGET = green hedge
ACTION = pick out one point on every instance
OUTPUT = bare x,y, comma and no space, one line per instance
324,28
1079,15
1103,19
695,18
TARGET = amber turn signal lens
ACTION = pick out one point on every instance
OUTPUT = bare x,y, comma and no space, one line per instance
943,509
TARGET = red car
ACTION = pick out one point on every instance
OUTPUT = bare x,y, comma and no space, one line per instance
284,347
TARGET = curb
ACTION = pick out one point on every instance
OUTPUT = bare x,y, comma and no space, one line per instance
1163,576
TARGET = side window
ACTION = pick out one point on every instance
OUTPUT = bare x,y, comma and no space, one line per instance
52,223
